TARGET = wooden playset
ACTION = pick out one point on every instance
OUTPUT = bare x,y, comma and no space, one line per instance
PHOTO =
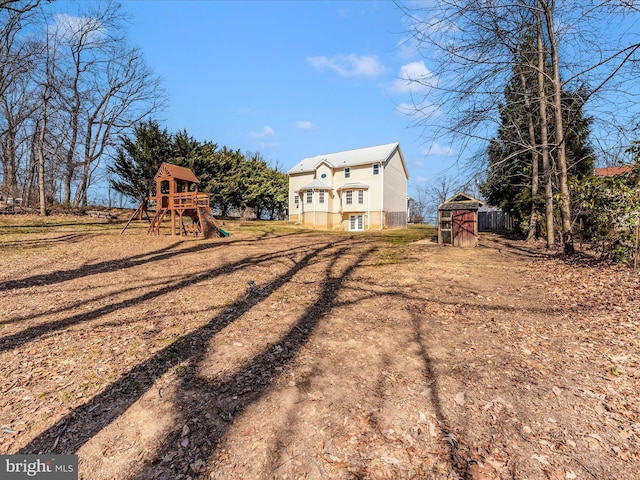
178,197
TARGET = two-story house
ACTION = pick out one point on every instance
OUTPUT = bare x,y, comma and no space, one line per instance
355,190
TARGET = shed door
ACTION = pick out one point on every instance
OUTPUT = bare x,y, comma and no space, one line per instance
464,228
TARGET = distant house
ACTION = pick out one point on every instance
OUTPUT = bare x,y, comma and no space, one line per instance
612,171
354,190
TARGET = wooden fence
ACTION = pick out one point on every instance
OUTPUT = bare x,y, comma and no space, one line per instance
494,221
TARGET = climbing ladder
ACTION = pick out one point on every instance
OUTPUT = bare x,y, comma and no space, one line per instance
156,221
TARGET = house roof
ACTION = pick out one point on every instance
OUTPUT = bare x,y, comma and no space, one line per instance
611,171
353,185
316,185
350,158
174,171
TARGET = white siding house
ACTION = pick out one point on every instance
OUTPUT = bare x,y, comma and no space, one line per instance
355,190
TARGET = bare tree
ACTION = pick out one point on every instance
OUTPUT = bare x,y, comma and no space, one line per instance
16,63
544,134
128,93
473,44
103,88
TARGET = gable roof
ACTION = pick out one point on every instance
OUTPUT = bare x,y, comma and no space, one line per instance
174,171
461,201
351,158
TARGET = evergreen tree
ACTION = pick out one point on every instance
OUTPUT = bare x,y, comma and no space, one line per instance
510,153
232,180
138,159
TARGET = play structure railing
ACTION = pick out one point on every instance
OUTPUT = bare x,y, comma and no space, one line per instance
189,200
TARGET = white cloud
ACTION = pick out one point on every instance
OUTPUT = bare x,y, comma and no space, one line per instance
304,125
71,28
413,77
266,131
368,66
268,144
436,149
419,110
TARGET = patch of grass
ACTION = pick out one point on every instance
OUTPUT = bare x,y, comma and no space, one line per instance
269,227
66,396
403,236
389,256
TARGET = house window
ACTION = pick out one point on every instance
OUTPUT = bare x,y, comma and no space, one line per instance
347,172
360,197
321,196
376,169
296,199
309,196
349,197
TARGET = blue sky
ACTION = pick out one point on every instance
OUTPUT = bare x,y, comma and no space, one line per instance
299,78
288,79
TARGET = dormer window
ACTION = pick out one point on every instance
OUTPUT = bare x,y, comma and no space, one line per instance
376,169
347,172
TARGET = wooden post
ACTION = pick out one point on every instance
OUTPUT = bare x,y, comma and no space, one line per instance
635,255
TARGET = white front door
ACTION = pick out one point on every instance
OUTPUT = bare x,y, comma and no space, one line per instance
356,223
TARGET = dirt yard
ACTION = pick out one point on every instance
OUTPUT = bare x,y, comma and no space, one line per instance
304,355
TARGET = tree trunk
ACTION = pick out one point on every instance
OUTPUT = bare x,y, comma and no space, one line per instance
32,170
544,137
561,155
532,234
41,189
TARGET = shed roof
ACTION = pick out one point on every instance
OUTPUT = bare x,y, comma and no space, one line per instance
461,201
350,158
176,172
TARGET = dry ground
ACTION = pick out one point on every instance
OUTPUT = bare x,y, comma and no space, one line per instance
304,355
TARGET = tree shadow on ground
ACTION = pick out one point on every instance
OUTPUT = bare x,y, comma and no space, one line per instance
460,463
29,334
85,421
171,250
22,244
228,399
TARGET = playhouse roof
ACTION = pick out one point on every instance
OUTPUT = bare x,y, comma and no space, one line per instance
176,172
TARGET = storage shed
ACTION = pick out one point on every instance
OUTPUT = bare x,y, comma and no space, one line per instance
458,221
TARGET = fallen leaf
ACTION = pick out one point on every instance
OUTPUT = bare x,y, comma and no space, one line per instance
596,436
543,459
